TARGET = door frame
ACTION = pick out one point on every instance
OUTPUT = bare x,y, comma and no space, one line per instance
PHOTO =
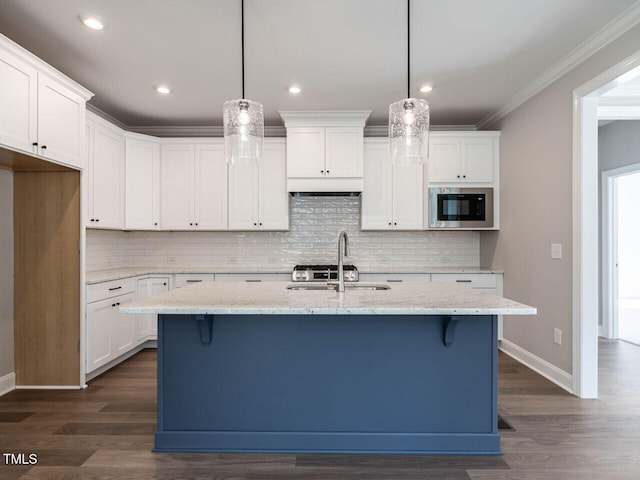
585,267
609,327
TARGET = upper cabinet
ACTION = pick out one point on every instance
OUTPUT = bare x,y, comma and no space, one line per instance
258,198
463,157
105,175
324,150
47,109
142,183
194,186
393,196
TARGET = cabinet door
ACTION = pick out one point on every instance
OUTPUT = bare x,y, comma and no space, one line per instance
377,195
147,323
444,159
177,187
61,119
305,152
107,182
142,185
273,204
408,197
243,196
18,95
343,152
210,187
477,160
99,321
124,326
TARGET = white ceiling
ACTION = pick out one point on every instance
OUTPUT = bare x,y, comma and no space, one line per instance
346,54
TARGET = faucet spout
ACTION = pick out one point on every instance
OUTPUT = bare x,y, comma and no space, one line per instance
343,251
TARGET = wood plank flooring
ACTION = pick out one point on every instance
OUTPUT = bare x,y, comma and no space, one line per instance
106,432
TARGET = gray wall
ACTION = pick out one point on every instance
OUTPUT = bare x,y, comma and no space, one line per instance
618,146
536,210
6,272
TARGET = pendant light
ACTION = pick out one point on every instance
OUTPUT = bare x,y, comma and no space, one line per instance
408,120
243,123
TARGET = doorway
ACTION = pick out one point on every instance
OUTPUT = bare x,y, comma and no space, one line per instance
621,298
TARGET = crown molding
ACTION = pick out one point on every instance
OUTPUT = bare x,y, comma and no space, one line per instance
105,116
614,29
324,118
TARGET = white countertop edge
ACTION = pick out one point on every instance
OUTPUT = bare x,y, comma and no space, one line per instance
329,311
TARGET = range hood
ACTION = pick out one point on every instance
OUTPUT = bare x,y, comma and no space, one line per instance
324,194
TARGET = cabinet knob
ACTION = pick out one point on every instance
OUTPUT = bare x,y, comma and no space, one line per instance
92,220
458,176
327,171
464,176
165,283
35,144
254,223
97,219
389,223
260,224
156,224
43,147
196,224
191,224
395,223
321,171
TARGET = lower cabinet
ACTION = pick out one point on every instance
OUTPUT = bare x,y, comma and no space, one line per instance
109,332
147,323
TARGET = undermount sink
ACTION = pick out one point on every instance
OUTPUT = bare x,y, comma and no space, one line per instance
331,286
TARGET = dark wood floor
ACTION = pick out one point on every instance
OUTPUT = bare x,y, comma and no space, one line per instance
106,432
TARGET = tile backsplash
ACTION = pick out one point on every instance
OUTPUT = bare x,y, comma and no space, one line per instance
314,226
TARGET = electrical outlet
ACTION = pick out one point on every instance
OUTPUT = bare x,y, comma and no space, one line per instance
557,336
556,251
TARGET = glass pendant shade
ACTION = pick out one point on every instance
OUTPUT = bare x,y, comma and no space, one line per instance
408,131
243,131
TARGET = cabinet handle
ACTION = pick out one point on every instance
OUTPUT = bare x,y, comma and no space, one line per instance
463,281
113,305
92,220
394,281
35,144
192,281
43,147
115,288
253,280
97,219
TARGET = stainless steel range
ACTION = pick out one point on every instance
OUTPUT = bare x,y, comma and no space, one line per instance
323,273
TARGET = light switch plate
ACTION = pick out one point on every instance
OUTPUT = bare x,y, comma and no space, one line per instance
557,336
556,251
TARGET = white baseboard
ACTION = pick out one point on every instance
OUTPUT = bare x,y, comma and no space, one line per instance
537,364
48,387
7,383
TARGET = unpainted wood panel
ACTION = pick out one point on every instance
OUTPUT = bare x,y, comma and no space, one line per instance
47,278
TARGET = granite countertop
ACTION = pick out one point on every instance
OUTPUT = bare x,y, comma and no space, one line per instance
99,276
273,298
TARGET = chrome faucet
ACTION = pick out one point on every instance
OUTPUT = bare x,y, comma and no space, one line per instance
342,250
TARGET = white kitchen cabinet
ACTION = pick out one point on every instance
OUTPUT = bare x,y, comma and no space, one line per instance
253,277
258,198
109,333
47,109
318,152
463,157
194,187
325,150
105,207
142,184
393,196
184,279
392,278
147,323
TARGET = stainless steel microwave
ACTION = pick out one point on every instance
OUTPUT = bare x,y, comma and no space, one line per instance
460,207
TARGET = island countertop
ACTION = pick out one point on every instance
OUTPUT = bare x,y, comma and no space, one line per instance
264,298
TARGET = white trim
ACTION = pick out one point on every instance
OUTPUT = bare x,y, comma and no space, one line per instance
7,383
324,118
584,223
614,29
48,387
538,365
619,112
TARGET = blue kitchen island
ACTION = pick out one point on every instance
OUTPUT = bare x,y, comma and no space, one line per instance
258,368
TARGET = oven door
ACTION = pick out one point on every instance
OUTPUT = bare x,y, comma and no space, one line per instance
452,208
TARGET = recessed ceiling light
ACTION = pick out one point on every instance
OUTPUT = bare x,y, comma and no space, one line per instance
294,89
426,88
163,89
92,21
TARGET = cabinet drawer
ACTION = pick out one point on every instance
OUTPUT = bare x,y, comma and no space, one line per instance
253,277
184,279
395,277
101,291
475,280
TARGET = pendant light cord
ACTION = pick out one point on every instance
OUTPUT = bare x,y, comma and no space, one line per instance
242,30
408,48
